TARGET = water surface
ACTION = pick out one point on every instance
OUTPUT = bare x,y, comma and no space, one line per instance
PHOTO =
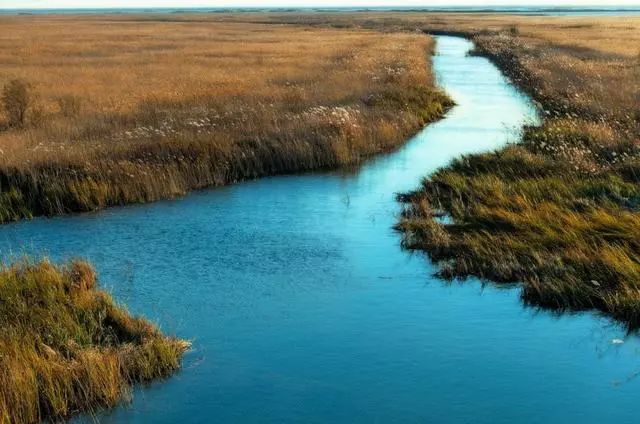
303,308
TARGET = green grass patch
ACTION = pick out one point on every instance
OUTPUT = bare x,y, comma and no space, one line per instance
66,347
571,236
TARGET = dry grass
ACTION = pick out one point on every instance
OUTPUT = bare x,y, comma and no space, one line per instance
572,65
138,108
65,347
572,239
607,34
559,212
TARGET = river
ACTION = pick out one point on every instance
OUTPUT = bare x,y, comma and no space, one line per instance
303,308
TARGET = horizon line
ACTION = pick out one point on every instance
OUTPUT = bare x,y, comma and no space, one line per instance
355,7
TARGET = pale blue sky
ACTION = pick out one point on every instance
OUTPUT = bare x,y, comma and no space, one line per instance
287,3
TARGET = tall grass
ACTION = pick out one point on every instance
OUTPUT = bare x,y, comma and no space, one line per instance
522,217
66,347
135,112
559,211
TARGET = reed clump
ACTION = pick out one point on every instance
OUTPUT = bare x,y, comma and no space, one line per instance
66,347
571,239
146,107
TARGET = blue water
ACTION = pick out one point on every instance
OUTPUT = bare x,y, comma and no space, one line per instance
303,308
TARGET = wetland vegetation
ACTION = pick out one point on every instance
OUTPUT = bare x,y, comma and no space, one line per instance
103,110
111,110
66,346
558,211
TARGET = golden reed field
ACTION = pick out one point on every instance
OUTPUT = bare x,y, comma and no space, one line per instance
138,108
585,63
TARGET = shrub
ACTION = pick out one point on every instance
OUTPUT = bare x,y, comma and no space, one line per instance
16,99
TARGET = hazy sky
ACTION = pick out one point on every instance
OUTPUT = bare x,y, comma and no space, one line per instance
326,3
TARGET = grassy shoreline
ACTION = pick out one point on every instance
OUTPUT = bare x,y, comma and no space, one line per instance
248,101
66,347
104,137
559,211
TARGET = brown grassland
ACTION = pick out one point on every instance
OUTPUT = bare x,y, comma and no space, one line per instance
138,108
65,346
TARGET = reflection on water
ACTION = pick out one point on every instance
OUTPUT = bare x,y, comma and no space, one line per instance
302,306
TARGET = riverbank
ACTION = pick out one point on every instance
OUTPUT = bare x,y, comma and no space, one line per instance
66,347
559,211
137,111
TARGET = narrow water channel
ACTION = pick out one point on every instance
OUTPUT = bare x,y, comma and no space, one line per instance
303,308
